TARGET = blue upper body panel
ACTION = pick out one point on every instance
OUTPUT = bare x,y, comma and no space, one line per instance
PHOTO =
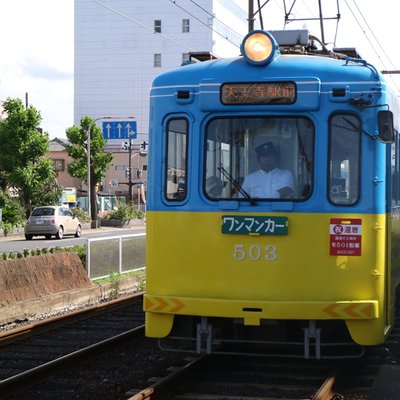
316,79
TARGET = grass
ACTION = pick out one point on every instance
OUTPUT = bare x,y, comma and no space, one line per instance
114,275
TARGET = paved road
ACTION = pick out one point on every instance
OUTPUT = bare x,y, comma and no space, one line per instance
18,243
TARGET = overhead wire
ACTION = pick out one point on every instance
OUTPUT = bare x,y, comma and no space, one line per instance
202,22
142,25
364,32
214,17
373,34
369,41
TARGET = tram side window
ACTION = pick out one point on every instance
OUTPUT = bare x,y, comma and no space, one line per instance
344,159
176,157
395,170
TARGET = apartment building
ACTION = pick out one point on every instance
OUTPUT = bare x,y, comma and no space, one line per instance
122,45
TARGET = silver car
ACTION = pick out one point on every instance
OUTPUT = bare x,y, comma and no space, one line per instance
51,221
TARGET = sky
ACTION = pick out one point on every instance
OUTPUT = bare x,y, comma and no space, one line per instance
37,39
37,58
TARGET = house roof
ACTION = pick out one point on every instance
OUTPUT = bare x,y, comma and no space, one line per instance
57,144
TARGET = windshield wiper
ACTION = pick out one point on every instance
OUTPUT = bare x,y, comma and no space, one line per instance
237,185
357,129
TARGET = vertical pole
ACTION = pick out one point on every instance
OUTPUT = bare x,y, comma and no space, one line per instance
251,16
138,186
88,174
321,22
88,266
120,255
130,172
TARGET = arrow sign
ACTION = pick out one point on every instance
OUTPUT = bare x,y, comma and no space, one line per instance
119,130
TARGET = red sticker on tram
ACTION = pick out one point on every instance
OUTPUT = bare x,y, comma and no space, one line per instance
345,236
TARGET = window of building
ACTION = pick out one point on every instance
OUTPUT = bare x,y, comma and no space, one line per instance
157,25
157,60
176,172
185,58
59,165
344,159
185,25
260,158
120,167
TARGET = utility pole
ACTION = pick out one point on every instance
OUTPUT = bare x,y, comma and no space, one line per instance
251,15
130,171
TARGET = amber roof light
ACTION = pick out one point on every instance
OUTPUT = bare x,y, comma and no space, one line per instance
259,47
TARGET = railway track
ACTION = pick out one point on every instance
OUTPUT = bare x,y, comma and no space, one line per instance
233,378
47,361
229,377
27,330
34,352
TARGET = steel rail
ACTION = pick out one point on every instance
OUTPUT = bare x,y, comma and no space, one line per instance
326,392
163,383
41,326
27,378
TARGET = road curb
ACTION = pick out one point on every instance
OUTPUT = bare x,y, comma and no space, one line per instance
20,233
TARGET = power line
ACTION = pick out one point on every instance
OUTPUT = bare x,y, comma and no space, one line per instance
379,44
141,25
217,19
364,32
203,23
369,41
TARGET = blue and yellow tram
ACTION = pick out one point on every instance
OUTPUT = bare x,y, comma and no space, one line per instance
225,254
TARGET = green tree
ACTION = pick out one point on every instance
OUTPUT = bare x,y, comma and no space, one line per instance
12,211
23,165
99,160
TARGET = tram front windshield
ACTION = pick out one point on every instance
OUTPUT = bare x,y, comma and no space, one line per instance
259,158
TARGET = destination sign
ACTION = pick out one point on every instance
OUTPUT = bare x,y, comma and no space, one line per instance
259,93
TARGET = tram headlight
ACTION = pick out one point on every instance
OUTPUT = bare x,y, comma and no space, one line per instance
259,47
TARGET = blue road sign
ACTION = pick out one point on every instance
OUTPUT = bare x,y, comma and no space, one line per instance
119,129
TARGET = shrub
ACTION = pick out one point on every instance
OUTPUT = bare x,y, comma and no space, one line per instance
125,213
7,227
82,215
12,212
80,250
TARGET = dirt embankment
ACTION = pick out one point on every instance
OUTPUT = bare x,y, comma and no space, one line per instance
30,278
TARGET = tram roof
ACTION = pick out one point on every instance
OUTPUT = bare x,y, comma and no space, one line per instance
286,66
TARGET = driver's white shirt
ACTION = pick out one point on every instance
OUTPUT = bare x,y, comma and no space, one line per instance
262,184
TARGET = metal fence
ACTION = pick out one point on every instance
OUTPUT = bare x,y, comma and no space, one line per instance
115,254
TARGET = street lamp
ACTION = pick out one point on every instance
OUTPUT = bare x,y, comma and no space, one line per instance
89,163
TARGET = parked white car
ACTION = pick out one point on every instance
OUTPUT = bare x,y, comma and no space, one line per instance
51,221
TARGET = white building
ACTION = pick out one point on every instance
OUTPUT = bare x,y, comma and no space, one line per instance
121,45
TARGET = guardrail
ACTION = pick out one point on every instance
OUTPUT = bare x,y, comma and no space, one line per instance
115,254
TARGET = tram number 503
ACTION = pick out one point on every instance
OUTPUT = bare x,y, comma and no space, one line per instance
255,252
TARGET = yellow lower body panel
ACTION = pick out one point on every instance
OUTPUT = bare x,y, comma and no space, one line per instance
361,317
205,271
